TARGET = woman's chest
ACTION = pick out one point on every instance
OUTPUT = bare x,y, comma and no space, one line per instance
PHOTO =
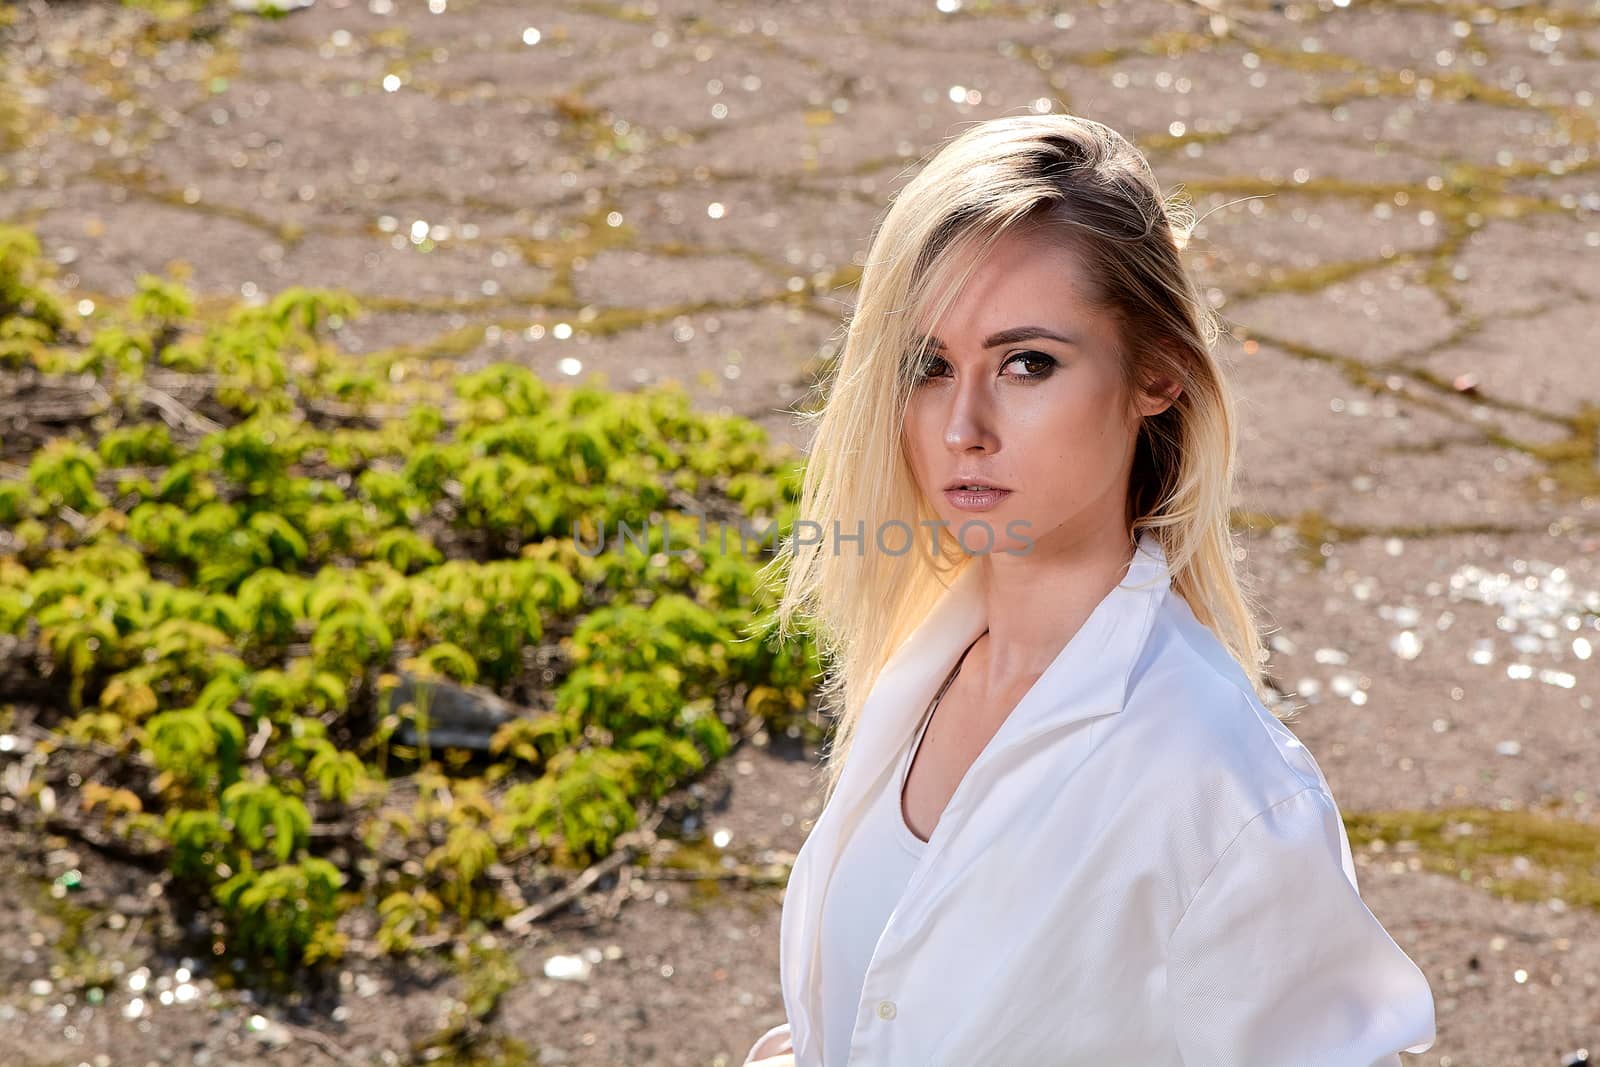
1047,942
950,741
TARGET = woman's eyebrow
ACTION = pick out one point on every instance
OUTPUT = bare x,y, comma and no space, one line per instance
1011,336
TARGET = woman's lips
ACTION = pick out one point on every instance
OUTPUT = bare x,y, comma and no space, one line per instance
975,499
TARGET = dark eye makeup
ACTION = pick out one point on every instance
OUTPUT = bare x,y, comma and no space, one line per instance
1045,365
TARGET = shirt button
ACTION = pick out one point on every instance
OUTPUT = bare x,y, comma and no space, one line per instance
886,1009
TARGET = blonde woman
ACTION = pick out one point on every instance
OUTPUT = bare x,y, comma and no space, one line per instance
1061,827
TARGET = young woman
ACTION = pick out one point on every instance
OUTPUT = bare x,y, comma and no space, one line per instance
1061,826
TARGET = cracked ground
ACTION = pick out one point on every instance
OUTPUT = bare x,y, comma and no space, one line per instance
1399,229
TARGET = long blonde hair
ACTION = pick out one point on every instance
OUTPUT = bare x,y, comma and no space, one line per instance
1086,185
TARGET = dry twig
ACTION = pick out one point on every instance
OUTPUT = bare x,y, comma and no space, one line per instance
621,855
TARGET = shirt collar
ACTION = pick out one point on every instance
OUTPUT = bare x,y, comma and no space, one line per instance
1088,677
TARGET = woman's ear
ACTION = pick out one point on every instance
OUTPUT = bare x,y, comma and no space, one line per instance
1159,396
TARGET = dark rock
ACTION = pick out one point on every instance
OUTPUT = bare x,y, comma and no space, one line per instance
458,716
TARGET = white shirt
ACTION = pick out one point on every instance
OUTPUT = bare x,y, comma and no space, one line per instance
873,870
1142,867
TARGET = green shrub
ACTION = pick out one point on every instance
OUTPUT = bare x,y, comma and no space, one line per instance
222,611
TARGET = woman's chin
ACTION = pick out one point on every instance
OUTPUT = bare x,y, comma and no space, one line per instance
988,534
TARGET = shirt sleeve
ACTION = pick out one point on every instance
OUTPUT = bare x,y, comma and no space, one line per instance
1277,962
769,1044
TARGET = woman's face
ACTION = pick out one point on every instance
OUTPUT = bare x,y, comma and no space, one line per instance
1022,391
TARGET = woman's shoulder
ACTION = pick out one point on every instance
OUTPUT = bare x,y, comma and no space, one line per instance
1195,725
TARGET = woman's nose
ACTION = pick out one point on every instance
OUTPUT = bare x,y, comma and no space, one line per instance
969,423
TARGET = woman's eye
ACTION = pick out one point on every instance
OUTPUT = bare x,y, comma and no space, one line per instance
1041,363
931,367
1035,365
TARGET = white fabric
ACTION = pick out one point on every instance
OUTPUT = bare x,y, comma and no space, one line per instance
771,1044
1142,867
873,870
